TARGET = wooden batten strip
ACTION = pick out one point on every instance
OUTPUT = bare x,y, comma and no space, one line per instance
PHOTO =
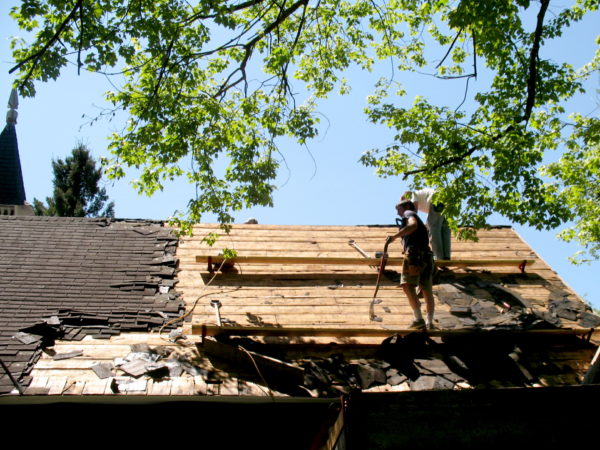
355,261
214,330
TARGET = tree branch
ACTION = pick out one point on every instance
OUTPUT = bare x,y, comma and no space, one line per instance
233,42
529,104
79,63
249,46
450,48
474,53
533,60
457,158
284,78
37,55
163,69
230,9
280,19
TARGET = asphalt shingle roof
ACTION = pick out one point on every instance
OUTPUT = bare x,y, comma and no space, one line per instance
95,276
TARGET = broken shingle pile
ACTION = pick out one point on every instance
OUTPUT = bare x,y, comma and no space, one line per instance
80,277
489,303
412,363
130,373
563,308
402,364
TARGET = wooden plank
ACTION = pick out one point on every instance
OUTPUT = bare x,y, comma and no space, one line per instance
591,375
308,310
56,385
397,298
79,374
336,431
316,319
340,240
66,364
305,260
275,290
335,229
371,242
299,248
213,330
270,272
162,387
200,385
334,286
229,386
39,382
95,387
182,386
301,302
74,387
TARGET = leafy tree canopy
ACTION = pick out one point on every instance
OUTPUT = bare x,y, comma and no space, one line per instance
76,191
221,81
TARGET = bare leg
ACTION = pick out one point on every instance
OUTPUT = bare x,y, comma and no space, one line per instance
413,300
430,304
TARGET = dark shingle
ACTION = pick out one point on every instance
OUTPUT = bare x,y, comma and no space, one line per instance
91,273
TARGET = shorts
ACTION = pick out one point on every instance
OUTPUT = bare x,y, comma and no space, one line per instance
417,269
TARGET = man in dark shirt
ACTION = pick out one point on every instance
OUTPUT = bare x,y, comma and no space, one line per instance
417,268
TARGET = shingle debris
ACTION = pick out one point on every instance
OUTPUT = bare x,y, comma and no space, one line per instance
480,303
68,355
103,370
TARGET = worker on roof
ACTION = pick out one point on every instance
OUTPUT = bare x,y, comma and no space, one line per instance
417,268
439,231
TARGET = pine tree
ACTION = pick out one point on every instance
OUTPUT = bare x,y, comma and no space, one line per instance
76,190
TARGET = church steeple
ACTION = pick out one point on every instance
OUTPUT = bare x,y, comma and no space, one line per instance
12,189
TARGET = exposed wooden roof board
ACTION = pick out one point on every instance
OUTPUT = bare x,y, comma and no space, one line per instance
319,290
551,359
212,330
286,299
350,261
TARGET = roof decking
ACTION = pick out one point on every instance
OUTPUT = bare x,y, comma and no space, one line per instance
506,308
330,296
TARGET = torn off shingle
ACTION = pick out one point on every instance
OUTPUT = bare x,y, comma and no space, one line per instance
68,355
103,370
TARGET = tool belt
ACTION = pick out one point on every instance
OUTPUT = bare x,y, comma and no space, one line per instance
417,259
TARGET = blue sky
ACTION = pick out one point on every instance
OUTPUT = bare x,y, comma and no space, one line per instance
322,183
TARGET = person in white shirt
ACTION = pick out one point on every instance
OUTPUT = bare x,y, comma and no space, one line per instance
439,232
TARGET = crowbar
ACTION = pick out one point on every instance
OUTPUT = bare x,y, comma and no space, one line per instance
382,263
352,243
